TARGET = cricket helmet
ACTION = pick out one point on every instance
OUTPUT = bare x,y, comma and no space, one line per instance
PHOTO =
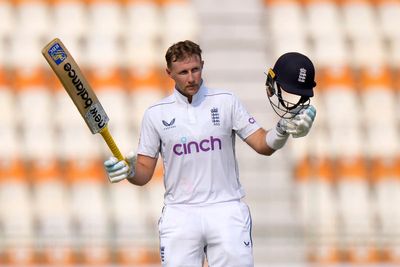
290,84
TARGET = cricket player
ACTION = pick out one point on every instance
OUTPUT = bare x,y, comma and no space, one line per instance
194,131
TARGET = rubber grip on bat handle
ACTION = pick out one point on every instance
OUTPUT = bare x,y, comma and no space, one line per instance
111,144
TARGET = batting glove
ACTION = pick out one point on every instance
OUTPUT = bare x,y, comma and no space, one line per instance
276,137
120,170
284,125
301,124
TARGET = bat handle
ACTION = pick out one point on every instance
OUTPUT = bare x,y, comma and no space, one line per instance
111,143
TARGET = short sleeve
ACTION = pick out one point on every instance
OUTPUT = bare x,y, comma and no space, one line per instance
149,140
243,123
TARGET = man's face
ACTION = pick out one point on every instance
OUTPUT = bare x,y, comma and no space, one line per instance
187,75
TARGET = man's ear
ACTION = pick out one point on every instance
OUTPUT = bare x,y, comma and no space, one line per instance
168,71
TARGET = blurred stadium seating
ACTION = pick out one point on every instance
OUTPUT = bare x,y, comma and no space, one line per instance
328,199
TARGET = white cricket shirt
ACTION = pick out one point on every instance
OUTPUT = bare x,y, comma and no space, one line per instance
197,143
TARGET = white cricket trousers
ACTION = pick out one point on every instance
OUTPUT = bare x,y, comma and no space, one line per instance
220,232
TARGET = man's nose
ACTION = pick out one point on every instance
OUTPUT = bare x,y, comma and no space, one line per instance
190,77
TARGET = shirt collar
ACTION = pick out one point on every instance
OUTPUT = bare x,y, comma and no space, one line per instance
196,99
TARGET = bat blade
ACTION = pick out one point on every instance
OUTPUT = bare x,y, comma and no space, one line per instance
76,85
80,91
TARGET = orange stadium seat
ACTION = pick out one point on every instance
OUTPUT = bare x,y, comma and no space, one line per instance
71,127
396,78
235,25
105,17
174,29
145,89
108,46
362,55
131,255
32,17
4,58
388,12
22,56
7,18
69,19
320,135
326,33
341,99
286,24
155,195
290,44
8,117
143,33
143,19
354,206
394,53
315,183
90,210
111,91
285,18
385,174
142,53
303,174
16,214
359,19
36,122
331,51
130,219
106,21
52,213
361,26
323,18
378,90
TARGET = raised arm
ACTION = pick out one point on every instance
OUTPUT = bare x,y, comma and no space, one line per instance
267,142
258,143
138,170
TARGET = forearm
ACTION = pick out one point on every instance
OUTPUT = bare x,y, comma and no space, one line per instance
257,141
142,175
144,170
275,139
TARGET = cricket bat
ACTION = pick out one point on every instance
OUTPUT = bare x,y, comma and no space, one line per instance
77,87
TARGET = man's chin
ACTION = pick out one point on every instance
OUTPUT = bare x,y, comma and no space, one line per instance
192,89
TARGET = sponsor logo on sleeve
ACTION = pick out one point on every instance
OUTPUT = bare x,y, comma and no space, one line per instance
252,120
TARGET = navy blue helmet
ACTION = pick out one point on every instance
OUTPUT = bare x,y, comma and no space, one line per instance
292,75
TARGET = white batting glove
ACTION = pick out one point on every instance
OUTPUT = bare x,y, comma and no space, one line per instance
283,126
120,170
300,125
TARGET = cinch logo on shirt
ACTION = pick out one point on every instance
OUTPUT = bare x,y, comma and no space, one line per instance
195,147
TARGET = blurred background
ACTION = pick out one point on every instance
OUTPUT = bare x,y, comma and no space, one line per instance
329,199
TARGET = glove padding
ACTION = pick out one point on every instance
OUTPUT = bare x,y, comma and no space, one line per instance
299,125
120,170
